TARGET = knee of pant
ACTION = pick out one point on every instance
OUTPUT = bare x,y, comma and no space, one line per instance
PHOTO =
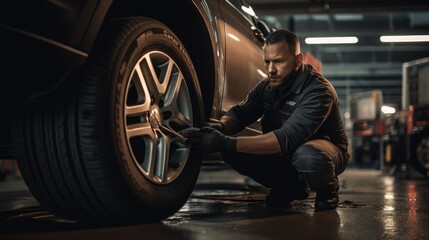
308,158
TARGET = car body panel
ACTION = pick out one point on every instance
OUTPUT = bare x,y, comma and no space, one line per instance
210,11
243,62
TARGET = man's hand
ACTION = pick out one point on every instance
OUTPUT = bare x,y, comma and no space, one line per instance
209,140
217,125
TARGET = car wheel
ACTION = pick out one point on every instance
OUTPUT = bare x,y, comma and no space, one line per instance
108,149
423,154
419,150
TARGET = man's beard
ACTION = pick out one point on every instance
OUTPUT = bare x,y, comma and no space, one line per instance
289,79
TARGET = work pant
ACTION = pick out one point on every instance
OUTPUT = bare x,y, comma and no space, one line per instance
317,163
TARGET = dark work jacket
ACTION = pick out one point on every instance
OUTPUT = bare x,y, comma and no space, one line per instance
309,109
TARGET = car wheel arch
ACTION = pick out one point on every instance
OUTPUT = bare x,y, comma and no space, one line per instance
199,40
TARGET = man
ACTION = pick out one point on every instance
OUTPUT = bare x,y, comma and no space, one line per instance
303,142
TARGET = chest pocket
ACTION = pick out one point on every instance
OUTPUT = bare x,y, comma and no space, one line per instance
277,113
286,109
274,119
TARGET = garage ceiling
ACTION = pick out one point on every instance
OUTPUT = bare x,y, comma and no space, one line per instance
369,64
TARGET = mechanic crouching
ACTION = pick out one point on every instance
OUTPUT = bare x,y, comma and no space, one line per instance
303,142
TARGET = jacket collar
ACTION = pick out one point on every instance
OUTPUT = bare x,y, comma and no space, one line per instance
301,76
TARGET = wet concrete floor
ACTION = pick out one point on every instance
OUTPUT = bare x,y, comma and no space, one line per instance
225,205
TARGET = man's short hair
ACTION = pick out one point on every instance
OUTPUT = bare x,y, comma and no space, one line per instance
287,36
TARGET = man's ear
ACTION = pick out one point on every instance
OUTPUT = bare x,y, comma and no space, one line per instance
299,59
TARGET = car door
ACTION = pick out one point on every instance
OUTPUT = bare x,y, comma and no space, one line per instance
244,66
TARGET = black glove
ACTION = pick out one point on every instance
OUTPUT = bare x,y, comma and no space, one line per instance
209,140
217,125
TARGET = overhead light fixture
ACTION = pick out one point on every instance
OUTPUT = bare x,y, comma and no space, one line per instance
348,17
405,38
388,110
331,40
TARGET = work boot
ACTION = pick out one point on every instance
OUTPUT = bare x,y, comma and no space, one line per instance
326,200
284,196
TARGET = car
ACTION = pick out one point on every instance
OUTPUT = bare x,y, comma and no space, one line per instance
94,93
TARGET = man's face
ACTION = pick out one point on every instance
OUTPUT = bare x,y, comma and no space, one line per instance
280,64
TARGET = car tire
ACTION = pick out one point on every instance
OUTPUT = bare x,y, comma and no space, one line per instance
419,150
423,154
107,149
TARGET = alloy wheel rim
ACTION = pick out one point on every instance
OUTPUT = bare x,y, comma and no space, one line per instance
157,106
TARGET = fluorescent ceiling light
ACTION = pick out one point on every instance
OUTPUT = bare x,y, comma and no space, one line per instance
388,110
405,38
348,17
331,40
320,17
